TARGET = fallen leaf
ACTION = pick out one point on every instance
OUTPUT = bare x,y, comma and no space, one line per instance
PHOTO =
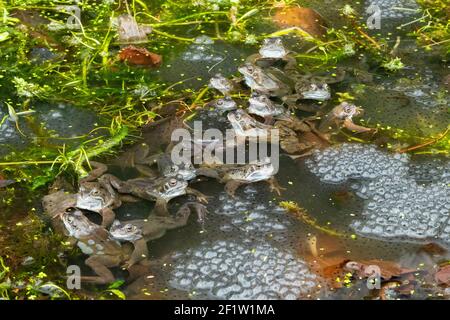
442,276
140,56
304,18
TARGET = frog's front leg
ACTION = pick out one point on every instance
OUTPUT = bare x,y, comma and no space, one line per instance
291,101
268,120
140,253
100,264
108,216
160,208
291,63
98,170
275,186
200,196
185,211
231,187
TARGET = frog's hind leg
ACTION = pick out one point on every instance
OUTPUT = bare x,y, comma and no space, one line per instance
232,186
108,217
185,211
140,253
98,170
100,264
146,171
160,208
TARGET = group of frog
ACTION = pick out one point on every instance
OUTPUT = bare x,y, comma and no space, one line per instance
272,77
278,89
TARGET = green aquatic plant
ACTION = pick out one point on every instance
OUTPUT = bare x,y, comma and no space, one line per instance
434,30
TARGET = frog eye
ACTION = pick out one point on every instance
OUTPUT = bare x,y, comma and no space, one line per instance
129,227
220,102
250,69
173,182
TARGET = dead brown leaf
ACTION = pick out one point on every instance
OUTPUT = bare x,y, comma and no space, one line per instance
306,19
140,56
442,276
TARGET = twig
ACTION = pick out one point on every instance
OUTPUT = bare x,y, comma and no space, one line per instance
425,143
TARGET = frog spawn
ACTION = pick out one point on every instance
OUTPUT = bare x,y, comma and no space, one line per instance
242,270
354,161
254,218
397,205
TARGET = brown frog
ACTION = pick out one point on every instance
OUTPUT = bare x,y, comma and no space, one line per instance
160,190
140,231
299,138
271,81
95,241
98,196
342,116
235,176
273,53
262,106
246,126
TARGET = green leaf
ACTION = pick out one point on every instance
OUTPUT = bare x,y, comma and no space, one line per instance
118,293
116,284
4,36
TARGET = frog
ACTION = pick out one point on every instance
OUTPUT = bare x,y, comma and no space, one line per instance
245,126
56,203
342,116
160,190
313,91
271,81
168,168
223,105
272,53
310,86
222,84
235,175
299,138
140,231
94,240
98,196
261,105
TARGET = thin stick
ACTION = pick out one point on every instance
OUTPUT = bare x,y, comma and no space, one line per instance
425,143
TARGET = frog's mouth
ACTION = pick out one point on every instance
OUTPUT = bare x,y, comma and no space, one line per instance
260,173
317,94
272,54
320,92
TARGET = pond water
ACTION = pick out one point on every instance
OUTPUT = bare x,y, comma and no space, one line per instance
362,202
